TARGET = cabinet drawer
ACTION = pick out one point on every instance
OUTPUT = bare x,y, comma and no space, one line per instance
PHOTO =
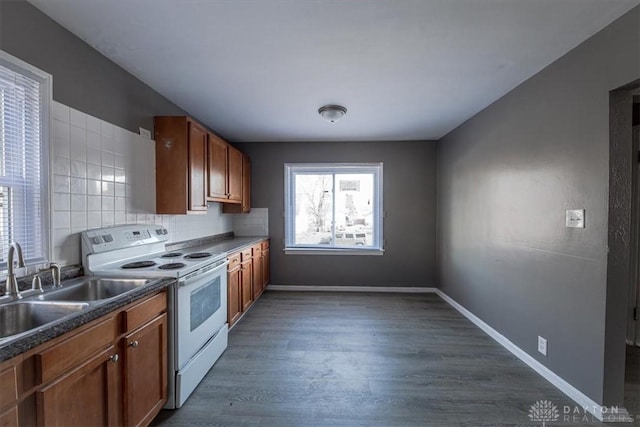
246,254
257,250
8,386
62,357
140,314
9,418
265,245
234,261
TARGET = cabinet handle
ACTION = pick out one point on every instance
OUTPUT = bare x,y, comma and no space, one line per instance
133,344
114,358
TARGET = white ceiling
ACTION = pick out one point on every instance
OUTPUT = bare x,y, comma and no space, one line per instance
258,70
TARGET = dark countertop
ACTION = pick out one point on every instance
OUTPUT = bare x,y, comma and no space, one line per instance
41,335
223,246
233,245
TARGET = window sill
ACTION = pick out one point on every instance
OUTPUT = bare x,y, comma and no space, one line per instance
332,251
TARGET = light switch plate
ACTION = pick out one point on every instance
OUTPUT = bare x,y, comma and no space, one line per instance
145,133
575,218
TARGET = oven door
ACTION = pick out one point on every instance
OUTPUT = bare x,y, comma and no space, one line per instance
201,310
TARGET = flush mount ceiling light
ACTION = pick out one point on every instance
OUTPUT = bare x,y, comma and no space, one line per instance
332,113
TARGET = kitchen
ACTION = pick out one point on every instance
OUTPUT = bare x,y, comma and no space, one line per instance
96,98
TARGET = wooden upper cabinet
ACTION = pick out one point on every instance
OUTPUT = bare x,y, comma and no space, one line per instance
245,205
197,167
217,169
235,175
181,163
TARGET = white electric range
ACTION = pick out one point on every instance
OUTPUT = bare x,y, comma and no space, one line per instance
197,303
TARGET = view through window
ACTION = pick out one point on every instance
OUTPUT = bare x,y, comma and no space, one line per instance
334,206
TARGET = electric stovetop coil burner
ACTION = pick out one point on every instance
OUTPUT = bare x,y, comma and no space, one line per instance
197,255
172,266
139,264
172,255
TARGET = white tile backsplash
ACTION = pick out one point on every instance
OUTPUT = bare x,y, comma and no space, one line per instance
77,118
60,112
254,223
104,175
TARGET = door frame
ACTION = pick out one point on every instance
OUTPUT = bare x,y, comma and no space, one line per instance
622,160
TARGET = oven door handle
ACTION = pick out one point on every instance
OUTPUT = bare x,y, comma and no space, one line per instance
203,273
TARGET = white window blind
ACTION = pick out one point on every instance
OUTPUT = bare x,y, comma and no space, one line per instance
23,160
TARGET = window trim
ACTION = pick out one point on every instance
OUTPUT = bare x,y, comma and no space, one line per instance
336,168
46,81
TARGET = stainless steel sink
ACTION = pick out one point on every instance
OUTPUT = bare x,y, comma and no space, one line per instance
22,316
92,289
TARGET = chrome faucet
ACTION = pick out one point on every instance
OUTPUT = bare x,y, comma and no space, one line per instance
12,288
55,274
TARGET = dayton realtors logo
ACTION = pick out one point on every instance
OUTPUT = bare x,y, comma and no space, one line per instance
544,411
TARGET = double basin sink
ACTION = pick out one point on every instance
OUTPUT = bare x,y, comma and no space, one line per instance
45,309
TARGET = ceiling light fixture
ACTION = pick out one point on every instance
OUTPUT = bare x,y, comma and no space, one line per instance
332,113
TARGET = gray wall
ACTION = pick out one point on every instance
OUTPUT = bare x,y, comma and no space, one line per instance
505,178
409,203
82,77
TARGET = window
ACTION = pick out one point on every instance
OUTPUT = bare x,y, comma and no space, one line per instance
333,208
25,95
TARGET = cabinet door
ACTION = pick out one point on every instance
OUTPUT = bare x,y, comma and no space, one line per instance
235,175
266,273
233,295
246,184
9,417
257,271
197,167
246,278
217,169
145,375
86,396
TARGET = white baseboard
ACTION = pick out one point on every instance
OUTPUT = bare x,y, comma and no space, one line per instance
311,288
602,413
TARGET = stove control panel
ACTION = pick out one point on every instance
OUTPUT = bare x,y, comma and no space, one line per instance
137,235
122,237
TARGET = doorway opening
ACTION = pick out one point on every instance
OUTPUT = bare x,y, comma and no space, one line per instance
632,359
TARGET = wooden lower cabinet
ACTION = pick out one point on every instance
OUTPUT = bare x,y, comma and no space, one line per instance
257,270
9,417
247,276
234,300
111,371
86,396
266,260
145,379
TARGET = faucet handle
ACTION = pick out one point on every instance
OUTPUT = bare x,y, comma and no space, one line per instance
55,273
36,283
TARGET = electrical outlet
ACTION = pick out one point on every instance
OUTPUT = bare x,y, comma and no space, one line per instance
542,345
574,218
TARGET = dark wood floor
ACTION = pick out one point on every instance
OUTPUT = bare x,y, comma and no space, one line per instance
364,359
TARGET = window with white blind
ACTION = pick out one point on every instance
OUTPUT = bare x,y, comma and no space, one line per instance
25,95
333,208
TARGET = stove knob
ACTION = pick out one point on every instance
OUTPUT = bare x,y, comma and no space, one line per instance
159,231
96,240
107,238
164,231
